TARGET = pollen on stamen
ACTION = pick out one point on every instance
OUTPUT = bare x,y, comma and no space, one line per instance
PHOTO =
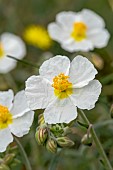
5,117
62,87
79,31
1,51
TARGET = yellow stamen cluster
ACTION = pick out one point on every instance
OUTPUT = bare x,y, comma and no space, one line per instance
5,117
1,51
79,31
38,36
61,82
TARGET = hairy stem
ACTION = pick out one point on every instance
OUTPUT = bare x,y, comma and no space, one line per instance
23,153
23,61
97,142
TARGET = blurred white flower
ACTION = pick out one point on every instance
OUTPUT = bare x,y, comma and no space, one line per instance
82,31
61,87
15,117
12,45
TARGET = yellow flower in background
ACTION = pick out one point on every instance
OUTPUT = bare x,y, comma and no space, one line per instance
37,36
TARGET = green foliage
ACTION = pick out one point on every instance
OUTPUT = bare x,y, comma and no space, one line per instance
15,15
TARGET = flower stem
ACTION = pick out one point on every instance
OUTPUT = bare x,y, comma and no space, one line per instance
23,61
23,153
97,142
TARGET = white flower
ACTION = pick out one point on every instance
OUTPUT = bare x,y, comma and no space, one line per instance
61,87
82,31
15,117
12,45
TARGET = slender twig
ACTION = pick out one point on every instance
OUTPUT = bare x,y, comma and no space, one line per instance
23,61
97,142
24,155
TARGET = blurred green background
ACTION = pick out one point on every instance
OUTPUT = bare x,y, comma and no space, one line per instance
15,15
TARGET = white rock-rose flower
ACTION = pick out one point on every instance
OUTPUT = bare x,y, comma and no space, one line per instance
61,87
11,45
81,31
15,117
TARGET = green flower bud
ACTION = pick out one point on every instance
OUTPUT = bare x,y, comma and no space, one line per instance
4,167
87,140
65,142
41,135
51,145
41,120
9,158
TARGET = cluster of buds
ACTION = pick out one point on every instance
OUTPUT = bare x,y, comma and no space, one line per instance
8,161
52,137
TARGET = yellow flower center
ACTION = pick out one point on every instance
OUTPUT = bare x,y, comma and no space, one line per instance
1,51
5,117
79,31
62,87
38,36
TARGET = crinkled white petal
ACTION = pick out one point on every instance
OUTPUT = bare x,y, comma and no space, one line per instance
5,139
57,33
7,64
99,38
81,71
66,20
20,105
21,125
91,19
6,98
39,92
13,45
72,45
60,111
54,66
86,97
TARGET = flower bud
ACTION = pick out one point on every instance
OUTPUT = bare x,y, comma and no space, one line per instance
9,158
41,120
65,142
51,145
97,61
87,140
4,167
41,135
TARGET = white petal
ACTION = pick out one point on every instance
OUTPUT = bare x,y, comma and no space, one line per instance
86,97
57,33
66,20
81,71
54,66
6,98
13,45
39,92
20,105
7,64
21,125
5,139
72,45
61,111
99,38
92,19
